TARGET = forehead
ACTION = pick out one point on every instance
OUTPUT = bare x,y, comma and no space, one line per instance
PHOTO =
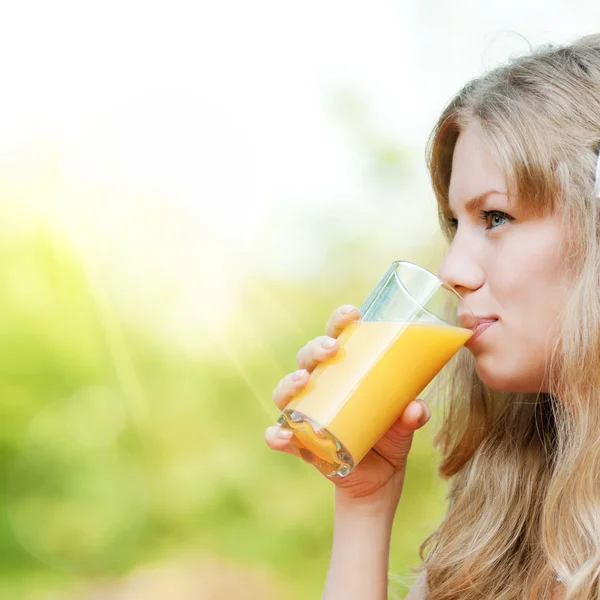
474,169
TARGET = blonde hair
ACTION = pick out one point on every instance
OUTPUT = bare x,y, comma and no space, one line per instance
524,469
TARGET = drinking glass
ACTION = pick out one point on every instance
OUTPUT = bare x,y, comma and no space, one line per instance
410,326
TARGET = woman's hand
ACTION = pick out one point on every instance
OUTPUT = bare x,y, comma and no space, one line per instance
380,475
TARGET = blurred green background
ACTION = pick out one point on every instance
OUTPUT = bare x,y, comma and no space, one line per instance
121,451
187,191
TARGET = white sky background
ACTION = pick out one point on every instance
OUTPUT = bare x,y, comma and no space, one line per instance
224,107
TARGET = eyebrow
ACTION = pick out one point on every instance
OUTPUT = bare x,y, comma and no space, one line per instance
475,203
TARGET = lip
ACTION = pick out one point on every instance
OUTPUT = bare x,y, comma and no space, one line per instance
483,323
468,320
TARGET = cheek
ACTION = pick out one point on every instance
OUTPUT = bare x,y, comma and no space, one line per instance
526,265
529,286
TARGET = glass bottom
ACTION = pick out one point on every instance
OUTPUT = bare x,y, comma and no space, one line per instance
316,445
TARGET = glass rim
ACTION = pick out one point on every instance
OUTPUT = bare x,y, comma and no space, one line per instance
442,284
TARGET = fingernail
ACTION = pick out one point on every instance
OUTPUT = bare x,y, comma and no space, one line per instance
298,375
425,414
283,434
346,309
328,344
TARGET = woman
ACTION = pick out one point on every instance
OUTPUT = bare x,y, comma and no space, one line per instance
513,161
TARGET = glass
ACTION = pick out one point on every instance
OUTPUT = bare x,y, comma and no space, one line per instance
411,325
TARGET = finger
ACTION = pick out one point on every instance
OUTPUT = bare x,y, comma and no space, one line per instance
316,351
395,445
288,387
279,439
415,415
340,319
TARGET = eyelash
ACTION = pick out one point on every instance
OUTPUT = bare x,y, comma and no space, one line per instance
484,215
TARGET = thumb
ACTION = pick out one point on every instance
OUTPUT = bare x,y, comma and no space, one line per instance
395,444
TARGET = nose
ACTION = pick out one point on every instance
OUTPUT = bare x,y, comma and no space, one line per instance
461,268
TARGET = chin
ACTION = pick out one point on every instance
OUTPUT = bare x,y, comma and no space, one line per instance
507,379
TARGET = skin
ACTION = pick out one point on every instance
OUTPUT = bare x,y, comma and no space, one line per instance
509,267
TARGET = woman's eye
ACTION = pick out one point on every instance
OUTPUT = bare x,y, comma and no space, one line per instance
495,218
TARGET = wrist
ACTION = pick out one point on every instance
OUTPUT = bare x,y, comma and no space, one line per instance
381,506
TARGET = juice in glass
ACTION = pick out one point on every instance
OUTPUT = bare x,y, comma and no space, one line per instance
353,398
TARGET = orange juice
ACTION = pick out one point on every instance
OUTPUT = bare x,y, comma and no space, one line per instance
353,398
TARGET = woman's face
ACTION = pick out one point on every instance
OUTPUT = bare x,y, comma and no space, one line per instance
506,263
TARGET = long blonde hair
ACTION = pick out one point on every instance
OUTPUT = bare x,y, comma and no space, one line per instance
524,469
